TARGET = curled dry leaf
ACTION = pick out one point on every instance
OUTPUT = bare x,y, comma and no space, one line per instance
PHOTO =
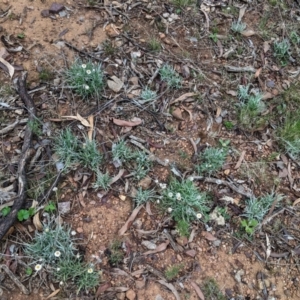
159,248
79,118
8,67
117,177
130,220
231,92
183,97
134,122
112,30
37,222
115,84
197,290
53,294
177,113
296,201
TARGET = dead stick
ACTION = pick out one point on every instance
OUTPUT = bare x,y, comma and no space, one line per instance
9,220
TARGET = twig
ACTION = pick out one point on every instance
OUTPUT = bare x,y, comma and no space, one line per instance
82,52
14,279
223,182
239,69
8,221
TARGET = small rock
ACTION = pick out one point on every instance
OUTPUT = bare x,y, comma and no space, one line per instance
238,275
149,245
45,13
122,197
166,15
55,8
120,296
63,207
179,258
159,297
182,241
185,71
130,295
140,284
162,35
191,253
56,81
170,19
79,230
115,84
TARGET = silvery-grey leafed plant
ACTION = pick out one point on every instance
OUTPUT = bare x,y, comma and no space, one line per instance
238,26
147,95
211,160
281,51
257,208
121,152
53,242
67,146
183,201
89,155
143,196
102,180
170,76
142,164
87,79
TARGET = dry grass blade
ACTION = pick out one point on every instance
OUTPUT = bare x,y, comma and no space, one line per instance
130,220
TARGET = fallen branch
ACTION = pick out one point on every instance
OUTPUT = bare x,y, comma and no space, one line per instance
9,220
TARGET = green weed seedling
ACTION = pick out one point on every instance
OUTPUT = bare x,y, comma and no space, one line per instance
25,214
183,201
102,181
249,225
183,228
289,135
108,48
45,75
281,51
50,207
169,75
295,38
28,271
35,127
211,290
86,79
142,164
173,271
211,160
115,253
154,45
5,211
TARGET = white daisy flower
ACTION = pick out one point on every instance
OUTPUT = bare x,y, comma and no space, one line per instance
170,210
57,253
157,201
90,270
199,216
38,267
77,255
47,229
88,72
73,232
83,66
55,189
191,178
93,70
170,195
178,196
163,186
86,87
57,269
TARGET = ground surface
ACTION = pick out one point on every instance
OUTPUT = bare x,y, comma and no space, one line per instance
200,45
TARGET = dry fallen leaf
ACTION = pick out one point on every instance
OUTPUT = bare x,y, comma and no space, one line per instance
134,122
266,47
197,290
128,223
37,223
9,67
183,97
112,30
78,117
177,113
209,236
53,294
115,84
91,130
296,201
